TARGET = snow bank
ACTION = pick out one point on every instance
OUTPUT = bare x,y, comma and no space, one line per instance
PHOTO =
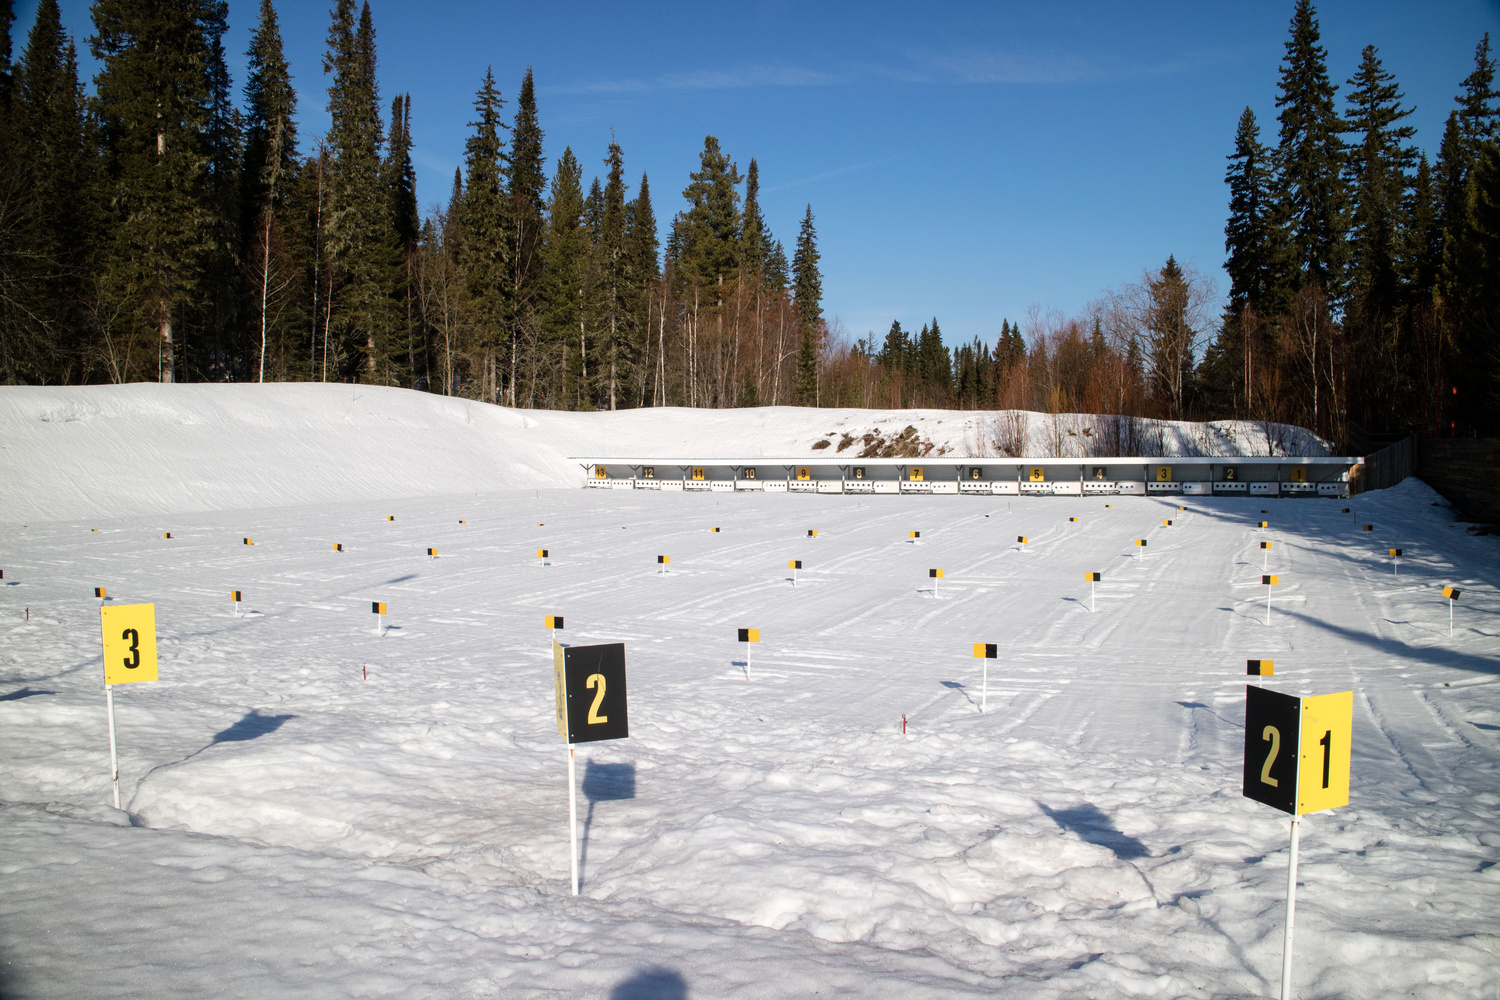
95,451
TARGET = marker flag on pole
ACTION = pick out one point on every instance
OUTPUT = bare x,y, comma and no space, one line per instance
1265,545
338,546
985,651
1270,581
812,532
234,595
935,574
1140,543
716,531
432,552
463,522
1367,527
749,635
1166,524
541,553
913,534
1072,519
166,534
1093,577
794,564
552,621
1021,539
1343,510
377,608
663,560
249,542
1260,668
390,517
1451,593
1263,524
1265,512
1395,553
100,593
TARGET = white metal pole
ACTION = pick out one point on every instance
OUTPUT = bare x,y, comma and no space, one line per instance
1450,617
572,820
1268,604
1291,912
1265,560
984,697
1091,597
114,761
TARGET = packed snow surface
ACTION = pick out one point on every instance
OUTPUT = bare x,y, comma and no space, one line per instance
316,810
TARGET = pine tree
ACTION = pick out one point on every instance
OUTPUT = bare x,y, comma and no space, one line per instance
487,232
807,288
611,274
1248,236
1310,182
359,232
527,181
1378,162
1170,339
563,256
400,181
269,169
160,114
711,225
753,235
642,271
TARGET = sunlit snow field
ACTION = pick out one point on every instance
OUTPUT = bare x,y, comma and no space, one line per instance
315,810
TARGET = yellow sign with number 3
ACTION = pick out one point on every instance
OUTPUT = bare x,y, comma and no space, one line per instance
129,643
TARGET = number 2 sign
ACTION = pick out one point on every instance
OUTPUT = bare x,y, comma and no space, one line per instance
590,692
1297,749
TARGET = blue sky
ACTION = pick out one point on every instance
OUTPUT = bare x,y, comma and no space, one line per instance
964,161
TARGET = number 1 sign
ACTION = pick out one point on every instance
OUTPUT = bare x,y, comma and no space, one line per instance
1296,760
589,685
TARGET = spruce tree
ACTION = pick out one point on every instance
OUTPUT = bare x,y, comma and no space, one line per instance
611,275
1310,181
1248,236
563,257
268,170
807,289
487,232
526,186
753,234
1378,163
160,114
642,271
711,225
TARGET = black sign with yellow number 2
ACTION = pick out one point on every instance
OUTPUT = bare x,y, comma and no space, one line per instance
590,692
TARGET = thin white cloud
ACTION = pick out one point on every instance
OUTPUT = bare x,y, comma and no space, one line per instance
735,78
837,171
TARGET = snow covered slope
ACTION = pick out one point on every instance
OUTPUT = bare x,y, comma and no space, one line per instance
94,451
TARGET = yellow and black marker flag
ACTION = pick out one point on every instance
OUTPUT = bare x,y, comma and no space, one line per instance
1263,524
1395,553
716,531
234,595
1343,510
1260,668
812,532
99,592
1140,543
432,552
1072,519
913,534
541,553
377,607
1166,524
166,534
1093,577
249,541
794,564
1270,581
935,574
1265,545
663,560
985,651
749,635
552,621
1021,539
390,517
338,546
1451,593
1367,527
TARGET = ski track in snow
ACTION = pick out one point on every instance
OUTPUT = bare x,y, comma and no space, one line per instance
294,830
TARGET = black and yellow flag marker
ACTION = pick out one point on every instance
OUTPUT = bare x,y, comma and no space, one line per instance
662,562
463,522
1265,560
714,530
234,601
1260,668
378,608
390,517
913,535
1344,510
1395,562
101,593
542,556
935,574
749,635
432,553
338,546
166,534
1092,578
552,621
1140,543
812,532
1021,540
1452,594
1072,519
249,541
1166,523
985,651
1269,581
589,686
1296,760
1266,545
1263,524
1395,553
794,565
1367,527
129,633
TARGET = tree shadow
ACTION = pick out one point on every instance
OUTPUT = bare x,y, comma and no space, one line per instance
1092,825
602,783
251,726
651,984
24,692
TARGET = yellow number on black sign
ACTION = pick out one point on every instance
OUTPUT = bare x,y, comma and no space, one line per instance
1271,735
595,718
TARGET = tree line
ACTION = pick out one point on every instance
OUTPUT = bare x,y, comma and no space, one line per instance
155,230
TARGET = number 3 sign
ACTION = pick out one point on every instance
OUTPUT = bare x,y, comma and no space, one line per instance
590,692
129,643
1297,750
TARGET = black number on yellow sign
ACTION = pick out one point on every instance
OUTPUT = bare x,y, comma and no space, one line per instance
134,638
590,687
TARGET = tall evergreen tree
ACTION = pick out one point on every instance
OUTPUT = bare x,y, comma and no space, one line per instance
527,183
612,281
1311,186
1248,236
160,114
487,233
711,225
563,258
807,287
1378,162
753,235
270,163
360,236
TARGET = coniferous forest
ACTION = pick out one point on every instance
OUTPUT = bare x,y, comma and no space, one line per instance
171,226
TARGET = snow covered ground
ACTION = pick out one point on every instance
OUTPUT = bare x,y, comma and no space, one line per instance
294,828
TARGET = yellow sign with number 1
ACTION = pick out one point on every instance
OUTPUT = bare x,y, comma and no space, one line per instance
1323,778
129,643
